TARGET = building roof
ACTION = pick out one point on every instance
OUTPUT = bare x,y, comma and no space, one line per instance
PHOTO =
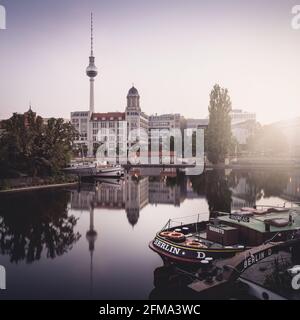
108,116
133,91
203,122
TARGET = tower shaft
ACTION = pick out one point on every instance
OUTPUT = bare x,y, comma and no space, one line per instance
92,99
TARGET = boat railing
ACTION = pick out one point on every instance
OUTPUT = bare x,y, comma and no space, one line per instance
286,205
196,219
187,220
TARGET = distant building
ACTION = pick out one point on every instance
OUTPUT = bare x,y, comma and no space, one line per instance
81,122
240,116
242,125
137,121
105,125
110,125
165,121
28,115
159,126
243,130
197,123
291,130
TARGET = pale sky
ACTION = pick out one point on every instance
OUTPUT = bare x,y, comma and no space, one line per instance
174,51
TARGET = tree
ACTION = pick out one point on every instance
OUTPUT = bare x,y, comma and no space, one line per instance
28,146
56,144
219,128
18,143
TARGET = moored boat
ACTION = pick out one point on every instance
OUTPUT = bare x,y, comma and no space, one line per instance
110,171
95,170
225,235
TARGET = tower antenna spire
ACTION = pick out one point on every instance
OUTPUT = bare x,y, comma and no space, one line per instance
92,35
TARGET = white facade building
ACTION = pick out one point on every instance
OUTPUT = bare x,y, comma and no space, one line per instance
239,116
196,123
165,121
137,121
113,128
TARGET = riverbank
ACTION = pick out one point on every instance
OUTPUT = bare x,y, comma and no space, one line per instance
251,166
257,163
50,186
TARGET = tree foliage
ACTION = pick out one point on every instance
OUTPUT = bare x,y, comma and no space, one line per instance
219,129
31,147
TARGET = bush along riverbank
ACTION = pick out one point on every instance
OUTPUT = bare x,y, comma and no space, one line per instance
35,182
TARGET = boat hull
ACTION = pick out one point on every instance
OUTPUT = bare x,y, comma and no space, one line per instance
94,171
183,254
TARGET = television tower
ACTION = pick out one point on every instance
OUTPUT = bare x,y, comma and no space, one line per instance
91,70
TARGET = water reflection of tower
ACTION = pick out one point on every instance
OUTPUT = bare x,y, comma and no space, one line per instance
91,237
137,197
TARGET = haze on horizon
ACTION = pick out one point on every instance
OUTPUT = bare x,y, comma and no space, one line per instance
173,51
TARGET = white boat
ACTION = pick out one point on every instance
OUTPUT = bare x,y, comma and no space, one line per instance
92,169
82,169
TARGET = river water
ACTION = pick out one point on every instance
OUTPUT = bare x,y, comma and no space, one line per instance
92,242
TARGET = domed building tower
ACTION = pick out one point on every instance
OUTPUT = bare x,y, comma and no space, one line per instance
133,100
137,121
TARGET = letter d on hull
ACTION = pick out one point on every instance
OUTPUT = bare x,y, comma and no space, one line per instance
2,278
2,18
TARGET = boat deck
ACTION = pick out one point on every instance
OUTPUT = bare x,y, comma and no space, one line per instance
201,237
257,222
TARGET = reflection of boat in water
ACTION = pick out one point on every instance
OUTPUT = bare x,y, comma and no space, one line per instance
108,182
110,171
94,170
227,234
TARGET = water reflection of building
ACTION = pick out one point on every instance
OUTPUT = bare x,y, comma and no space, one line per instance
161,193
131,194
137,197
